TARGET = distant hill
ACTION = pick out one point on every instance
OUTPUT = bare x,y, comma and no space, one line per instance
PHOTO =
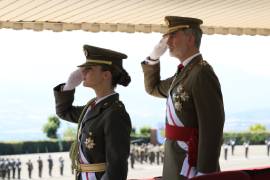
241,121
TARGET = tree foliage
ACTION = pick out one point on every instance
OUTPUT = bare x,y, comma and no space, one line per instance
257,128
51,127
70,133
145,131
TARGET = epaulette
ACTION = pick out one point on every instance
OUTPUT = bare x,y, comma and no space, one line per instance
205,64
119,103
116,103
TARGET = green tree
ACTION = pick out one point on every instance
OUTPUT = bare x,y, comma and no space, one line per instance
51,127
145,131
70,133
257,128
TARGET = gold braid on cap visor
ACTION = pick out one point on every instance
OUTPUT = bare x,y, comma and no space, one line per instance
98,61
172,29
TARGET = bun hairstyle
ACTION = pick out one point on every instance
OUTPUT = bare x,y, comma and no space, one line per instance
119,75
124,78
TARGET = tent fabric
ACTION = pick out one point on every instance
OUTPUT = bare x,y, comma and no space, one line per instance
243,17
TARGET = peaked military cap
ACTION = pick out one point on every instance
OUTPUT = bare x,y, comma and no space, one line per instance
175,23
98,56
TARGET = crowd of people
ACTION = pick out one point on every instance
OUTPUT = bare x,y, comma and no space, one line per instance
146,153
11,168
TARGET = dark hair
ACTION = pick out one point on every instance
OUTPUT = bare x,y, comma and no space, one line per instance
119,75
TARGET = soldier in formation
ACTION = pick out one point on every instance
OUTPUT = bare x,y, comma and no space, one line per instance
61,165
40,166
19,167
267,143
146,153
30,168
232,143
50,164
226,147
246,146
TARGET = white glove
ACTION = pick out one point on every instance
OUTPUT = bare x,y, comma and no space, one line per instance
159,49
74,80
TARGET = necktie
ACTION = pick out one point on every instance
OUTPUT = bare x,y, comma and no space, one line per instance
180,67
92,105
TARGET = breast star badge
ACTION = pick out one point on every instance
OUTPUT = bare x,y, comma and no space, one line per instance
89,142
179,97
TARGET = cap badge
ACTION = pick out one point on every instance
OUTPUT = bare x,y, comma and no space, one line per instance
167,22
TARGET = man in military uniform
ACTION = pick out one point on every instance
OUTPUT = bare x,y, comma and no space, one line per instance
50,164
29,168
61,164
19,167
40,166
103,140
194,108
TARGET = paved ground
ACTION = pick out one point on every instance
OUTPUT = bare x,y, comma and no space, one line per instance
257,158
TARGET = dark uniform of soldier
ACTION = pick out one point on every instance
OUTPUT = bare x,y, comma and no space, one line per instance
267,143
194,108
29,168
2,168
19,167
8,168
232,143
226,151
40,166
246,146
103,140
132,157
13,167
50,164
61,165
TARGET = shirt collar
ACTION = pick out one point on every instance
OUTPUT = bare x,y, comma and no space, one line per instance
186,61
104,97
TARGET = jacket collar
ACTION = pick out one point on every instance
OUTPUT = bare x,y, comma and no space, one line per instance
182,75
101,105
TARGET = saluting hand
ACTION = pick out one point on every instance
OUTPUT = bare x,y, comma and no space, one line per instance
159,49
74,80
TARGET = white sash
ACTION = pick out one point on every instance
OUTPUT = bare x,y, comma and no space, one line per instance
86,175
83,160
173,120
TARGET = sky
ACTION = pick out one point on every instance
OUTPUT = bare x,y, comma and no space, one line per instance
32,63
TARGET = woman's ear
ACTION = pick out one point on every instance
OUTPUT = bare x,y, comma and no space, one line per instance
107,75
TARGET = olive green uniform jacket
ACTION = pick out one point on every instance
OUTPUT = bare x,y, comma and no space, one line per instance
105,132
203,109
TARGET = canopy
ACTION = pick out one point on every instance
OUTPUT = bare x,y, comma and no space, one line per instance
237,17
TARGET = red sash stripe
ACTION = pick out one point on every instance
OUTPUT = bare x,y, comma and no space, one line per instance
188,135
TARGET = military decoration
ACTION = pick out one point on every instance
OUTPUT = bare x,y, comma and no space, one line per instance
179,97
89,142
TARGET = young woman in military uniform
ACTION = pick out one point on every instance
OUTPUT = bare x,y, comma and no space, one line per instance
103,138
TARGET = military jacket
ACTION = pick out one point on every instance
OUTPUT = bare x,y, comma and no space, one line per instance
197,99
105,132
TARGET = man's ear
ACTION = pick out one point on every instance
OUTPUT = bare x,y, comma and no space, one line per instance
191,39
